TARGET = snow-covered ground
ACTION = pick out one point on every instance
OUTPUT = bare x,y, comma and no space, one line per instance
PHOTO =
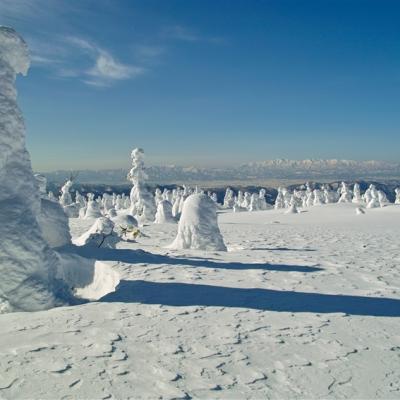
301,306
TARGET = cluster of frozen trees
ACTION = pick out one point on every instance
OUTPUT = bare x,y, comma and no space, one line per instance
245,201
307,197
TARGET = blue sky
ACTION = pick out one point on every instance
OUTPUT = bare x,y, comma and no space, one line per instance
208,83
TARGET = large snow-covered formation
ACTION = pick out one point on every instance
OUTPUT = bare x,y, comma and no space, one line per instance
27,264
198,225
143,205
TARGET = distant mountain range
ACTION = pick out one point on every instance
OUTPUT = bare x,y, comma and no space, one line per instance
253,171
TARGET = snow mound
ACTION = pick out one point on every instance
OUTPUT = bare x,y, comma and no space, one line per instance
198,225
123,222
101,234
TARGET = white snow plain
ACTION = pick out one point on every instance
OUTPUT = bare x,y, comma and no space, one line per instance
301,306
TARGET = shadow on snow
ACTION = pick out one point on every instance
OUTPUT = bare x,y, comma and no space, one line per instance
143,257
185,294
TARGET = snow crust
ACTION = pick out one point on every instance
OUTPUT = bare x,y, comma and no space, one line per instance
303,306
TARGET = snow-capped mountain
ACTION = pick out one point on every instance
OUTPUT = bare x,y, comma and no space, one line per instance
276,169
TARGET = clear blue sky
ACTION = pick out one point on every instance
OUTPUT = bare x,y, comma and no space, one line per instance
208,82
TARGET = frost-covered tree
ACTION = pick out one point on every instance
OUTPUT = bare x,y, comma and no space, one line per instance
262,203
79,199
292,209
280,200
164,213
93,208
397,191
345,194
253,206
319,197
310,198
65,198
52,219
27,264
158,196
198,225
357,199
383,200
143,206
374,201
229,198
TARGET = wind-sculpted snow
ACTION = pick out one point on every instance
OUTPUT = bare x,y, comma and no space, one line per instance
302,306
27,265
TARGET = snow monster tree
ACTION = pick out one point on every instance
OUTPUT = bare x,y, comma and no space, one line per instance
27,264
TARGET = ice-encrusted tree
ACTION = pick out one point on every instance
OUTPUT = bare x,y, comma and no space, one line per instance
345,194
93,208
27,264
280,200
52,219
319,197
357,199
198,225
373,196
143,206
65,198
397,200
292,209
382,198
229,199
164,213
262,203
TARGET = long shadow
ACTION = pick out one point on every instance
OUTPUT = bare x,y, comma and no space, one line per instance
184,294
140,256
279,249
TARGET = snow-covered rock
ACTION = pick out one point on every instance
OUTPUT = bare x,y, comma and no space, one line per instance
198,225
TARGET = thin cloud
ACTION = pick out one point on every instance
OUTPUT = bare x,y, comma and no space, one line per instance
106,69
179,32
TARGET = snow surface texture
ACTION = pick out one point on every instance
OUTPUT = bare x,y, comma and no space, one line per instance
27,265
198,225
302,306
